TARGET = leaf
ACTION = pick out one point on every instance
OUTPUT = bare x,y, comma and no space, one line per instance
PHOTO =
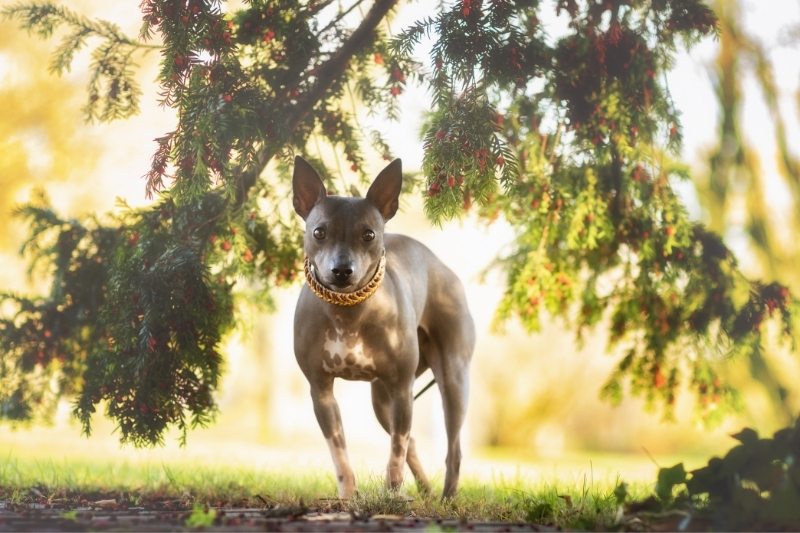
736,459
746,436
105,504
201,517
784,507
768,476
748,503
708,479
667,479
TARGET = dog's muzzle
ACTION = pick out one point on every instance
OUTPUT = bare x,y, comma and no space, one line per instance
346,299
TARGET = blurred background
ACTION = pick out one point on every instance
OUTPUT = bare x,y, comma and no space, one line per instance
535,410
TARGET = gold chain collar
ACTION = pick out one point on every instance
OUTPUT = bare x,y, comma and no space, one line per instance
345,299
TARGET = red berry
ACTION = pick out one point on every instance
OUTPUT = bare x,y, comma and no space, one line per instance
451,181
659,380
670,231
247,256
500,161
378,58
440,134
398,75
784,292
226,245
354,167
228,98
395,90
434,189
268,36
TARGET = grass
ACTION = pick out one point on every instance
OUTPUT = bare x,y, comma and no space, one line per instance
583,504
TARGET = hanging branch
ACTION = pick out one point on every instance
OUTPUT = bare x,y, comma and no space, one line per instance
113,90
327,74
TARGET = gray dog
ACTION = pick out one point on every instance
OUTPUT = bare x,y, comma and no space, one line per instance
380,308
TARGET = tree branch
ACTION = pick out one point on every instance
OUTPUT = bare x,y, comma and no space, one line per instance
327,74
340,16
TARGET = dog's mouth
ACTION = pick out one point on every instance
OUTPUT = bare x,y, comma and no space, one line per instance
332,283
346,293
342,286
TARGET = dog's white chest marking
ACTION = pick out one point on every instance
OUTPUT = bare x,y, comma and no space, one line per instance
343,355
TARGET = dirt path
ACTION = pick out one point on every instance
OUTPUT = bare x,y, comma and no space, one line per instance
106,515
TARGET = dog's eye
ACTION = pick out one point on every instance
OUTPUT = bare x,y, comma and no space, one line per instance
319,233
368,235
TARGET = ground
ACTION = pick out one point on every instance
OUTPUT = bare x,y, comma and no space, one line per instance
113,514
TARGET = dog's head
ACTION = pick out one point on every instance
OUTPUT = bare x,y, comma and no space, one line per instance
344,236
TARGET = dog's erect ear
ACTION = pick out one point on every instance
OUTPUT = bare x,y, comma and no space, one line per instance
385,190
307,188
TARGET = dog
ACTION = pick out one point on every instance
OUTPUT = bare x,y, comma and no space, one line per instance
382,308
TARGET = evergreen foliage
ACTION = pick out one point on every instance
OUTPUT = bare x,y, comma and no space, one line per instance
571,138
736,175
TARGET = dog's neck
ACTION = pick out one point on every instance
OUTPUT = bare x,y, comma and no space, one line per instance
344,299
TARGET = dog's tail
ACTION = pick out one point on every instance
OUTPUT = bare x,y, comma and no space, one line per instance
426,387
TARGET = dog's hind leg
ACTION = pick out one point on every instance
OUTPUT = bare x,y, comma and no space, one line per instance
448,355
381,403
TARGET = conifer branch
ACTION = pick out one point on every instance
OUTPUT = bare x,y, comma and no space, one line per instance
327,74
113,90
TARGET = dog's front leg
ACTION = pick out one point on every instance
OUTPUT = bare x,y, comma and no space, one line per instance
330,421
402,404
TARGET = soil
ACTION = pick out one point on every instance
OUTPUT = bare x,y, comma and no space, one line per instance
175,515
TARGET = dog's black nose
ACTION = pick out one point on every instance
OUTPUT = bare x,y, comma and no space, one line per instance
342,273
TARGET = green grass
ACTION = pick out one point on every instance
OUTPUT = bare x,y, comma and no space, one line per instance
584,504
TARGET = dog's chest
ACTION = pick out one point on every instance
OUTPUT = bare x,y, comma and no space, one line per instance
345,355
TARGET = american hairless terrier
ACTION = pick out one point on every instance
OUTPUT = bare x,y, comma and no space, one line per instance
380,308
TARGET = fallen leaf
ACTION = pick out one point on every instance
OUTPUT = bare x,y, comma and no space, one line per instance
105,504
